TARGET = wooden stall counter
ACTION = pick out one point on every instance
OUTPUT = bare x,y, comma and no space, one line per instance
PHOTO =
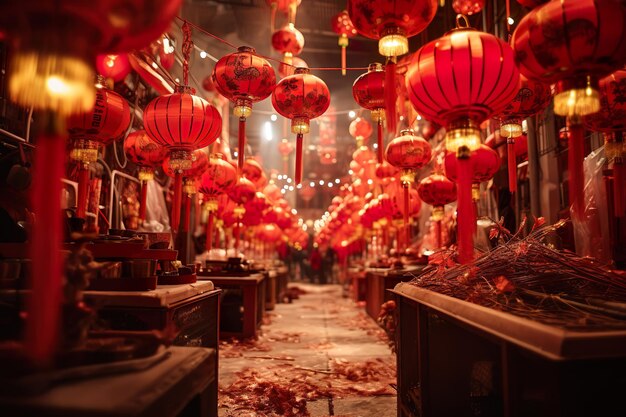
379,280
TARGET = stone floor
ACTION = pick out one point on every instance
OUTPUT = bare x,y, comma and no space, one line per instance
310,336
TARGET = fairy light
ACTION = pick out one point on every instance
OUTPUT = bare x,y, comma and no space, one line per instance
273,117
202,54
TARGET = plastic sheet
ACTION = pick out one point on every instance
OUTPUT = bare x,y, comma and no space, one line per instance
157,217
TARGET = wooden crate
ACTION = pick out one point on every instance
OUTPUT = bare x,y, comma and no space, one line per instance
460,359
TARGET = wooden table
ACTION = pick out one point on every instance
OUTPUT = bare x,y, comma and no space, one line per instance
177,385
357,291
457,358
378,281
242,305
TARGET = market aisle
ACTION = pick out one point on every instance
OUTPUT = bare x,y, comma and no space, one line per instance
319,356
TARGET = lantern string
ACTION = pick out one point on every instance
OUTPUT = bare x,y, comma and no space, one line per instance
187,48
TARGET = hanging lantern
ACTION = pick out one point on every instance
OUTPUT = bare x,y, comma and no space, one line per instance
549,50
208,85
287,7
611,120
437,191
363,155
108,120
243,78
144,152
181,122
342,26
360,129
306,193
253,171
385,172
392,22
328,155
369,92
289,41
285,148
468,7
408,153
300,97
115,67
242,191
460,80
285,70
531,98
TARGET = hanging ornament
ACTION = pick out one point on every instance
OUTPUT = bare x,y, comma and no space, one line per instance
145,153
408,153
328,155
549,50
243,78
385,172
306,193
369,92
459,81
289,41
392,22
360,129
468,7
285,148
611,120
115,67
253,171
531,98
285,70
287,7
342,26
300,97
108,120
437,191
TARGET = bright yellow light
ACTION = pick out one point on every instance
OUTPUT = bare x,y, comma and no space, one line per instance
581,100
393,45
56,85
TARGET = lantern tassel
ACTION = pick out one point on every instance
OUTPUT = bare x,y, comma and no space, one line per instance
42,327
619,185
512,164
299,140
83,191
465,211
390,95
438,236
407,228
576,149
241,144
209,232
142,201
178,188
343,60
186,203
379,141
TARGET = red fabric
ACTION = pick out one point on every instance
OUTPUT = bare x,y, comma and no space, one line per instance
186,211
380,142
391,96
176,202
512,165
143,200
465,212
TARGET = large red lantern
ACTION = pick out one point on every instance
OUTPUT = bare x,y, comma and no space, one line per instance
468,7
108,119
531,98
289,41
300,97
342,26
369,92
461,80
437,191
360,129
181,122
115,67
392,22
144,152
550,50
243,78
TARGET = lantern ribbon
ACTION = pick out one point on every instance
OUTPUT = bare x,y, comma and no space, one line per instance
407,229
178,188
465,211
241,144
143,200
299,140
44,310
576,149
209,232
186,203
83,191
390,94
379,139
512,164
619,185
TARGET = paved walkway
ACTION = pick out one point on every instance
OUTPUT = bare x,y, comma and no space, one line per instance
319,356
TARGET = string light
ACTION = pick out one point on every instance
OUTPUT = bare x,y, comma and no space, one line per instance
352,114
273,117
202,54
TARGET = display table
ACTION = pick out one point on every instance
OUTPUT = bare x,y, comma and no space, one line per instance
457,358
242,305
379,280
357,287
179,384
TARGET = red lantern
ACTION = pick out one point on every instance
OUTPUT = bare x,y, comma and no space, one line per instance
288,7
285,148
253,171
181,122
288,69
385,172
107,121
306,193
437,191
532,97
360,129
243,78
300,97
328,155
549,50
363,155
289,41
461,80
144,152
208,85
242,191
342,26
115,67
468,7
369,92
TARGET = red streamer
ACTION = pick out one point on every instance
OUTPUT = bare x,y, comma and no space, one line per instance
407,229
45,249
576,150
390,95
242,143
143,200
209,232
299,140
512,164
343,60
178,188
619,188
186,203
379,139
83,192
465,211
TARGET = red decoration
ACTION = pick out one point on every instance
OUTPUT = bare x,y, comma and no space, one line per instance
461,80
369,92
385,172
252,170
468,7
288,69
300,97
437,190
572,43
287,7
328,155
289,41
360,129
115,67
243,78
285,148
208,84
532,3
307,193
242,191
342,26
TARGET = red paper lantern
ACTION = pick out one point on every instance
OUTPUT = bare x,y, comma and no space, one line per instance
242,191
461,80
369,92
360,129
385,172
199,164
285,148
342,26
253,171
328,155
306,193
363,155
468,7
243,78
289,41
437,191
208,84
115,67
288,69
550,50
300,97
